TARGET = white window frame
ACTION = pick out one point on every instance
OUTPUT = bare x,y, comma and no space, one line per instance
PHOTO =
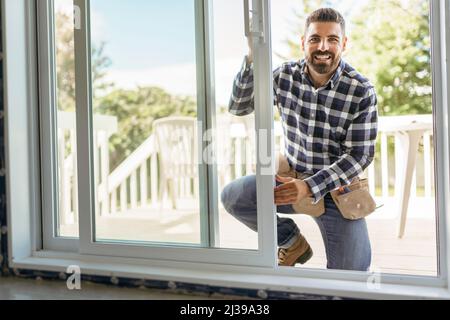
48,128
264,256
23,202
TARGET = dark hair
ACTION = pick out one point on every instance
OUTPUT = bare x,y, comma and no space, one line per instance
325,15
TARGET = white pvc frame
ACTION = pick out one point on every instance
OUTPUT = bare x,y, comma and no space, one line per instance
265,256
209,268
48,129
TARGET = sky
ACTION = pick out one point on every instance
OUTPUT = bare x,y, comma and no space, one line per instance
152,42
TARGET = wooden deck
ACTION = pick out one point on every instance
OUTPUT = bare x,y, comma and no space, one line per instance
414,254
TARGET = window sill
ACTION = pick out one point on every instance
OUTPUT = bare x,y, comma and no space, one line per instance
223,276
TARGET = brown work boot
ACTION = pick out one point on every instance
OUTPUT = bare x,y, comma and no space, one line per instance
299,252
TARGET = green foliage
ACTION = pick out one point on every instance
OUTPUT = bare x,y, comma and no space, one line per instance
65,64
391,46
389,43
135,111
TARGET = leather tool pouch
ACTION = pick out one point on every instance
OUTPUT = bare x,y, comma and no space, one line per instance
355,204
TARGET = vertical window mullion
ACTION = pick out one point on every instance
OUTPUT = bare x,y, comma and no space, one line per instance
203,118
84,123
206,113
48,110
48,123
440,47
263,92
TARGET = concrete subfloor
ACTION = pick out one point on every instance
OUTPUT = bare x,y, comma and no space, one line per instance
12,288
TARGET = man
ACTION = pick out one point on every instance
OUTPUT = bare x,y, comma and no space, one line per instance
329,117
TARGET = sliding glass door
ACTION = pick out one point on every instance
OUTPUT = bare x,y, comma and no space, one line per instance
151,137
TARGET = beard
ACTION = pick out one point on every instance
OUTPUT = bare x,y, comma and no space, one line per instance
322,66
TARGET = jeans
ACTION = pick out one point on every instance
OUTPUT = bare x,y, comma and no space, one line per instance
346,241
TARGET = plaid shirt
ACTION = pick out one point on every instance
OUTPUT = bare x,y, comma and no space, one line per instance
329,132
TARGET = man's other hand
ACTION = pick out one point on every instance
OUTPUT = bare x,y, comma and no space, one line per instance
290,191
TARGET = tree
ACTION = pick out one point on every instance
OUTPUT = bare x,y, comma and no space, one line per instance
136,110
391,46
389,43
65,64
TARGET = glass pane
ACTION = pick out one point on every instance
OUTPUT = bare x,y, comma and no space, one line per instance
236,138
145,121
67,217
389,43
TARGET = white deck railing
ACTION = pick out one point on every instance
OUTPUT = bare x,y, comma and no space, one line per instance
400,130
386,172
135,182
104,127
123,191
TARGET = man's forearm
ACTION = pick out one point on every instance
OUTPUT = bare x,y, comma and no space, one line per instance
242,97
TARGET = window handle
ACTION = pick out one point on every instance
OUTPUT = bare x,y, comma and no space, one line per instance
77,17
256,28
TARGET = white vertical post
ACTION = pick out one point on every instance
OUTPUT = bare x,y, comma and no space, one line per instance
196,187
399,164
187,186
96,173
384,165
427,163
114,201
62,178
67,193
154,179
133,190
238,157
123,197
372,178
181,185
143,184
73,143
104,160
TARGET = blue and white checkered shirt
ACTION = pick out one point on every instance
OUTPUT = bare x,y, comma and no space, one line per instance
329,132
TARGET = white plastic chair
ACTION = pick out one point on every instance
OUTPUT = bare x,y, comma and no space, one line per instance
176,140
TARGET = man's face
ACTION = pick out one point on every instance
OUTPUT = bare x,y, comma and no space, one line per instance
323,45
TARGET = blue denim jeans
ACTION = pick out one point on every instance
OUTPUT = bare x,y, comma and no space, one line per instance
346,241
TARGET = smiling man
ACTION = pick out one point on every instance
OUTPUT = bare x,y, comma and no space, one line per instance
329,116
